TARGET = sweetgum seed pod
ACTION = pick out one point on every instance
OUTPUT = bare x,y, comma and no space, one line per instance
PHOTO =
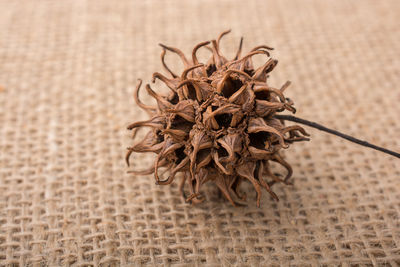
221,123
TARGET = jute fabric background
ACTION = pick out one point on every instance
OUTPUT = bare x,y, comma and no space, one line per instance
67,73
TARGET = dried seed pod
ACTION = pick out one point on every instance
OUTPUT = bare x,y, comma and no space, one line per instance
218,124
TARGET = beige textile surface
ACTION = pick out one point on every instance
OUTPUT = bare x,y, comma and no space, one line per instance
67,72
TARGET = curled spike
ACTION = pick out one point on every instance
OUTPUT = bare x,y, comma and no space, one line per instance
161,101
203,162
149,170
156,122
148,109
176,134
281,161
182,185
186,71
128,155
221,83
240,64
261,73
194,56
273,176
262,47
220,37
239,72
258,125
262,181
148,144
171,83
235,96
184,109
264,108
165,65
259,153
209,119
218,59
176,169
203,89
294,128
218,163
289,107
179,53
199,141
156,166
194,186
271,90
210,115
223,183
235,188
232,143
171,148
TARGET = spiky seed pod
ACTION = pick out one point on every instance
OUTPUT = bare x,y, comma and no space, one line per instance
217,124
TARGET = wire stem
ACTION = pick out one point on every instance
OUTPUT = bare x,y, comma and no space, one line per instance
334,132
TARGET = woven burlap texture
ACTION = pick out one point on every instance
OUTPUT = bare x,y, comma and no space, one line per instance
67,73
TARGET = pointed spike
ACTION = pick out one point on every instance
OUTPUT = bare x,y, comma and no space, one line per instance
285,85
246,170
148,109
221,184
239,49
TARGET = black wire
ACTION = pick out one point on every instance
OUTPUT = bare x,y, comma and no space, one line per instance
334,132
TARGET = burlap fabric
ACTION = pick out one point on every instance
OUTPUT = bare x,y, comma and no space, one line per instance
67,72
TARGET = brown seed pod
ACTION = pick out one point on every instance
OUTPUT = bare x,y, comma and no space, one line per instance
218,124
